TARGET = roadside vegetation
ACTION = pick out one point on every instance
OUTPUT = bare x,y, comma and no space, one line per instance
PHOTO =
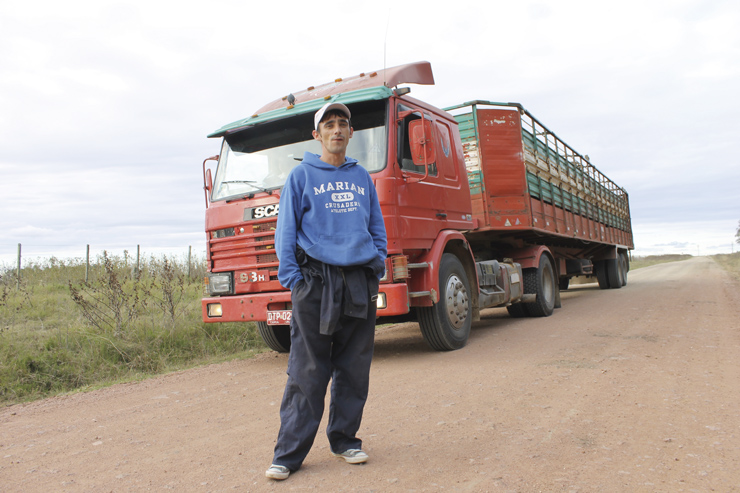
730,262
59,334
639,262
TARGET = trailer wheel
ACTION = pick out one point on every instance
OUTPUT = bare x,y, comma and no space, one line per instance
624,266
614,272
541,281
277,337
446,325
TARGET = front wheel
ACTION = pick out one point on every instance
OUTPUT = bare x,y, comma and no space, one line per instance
446,325
277,337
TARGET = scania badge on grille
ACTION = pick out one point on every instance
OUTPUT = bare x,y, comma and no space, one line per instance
261,212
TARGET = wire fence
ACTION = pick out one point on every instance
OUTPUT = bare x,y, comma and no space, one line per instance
190,265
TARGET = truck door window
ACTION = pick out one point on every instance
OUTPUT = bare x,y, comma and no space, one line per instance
405,160
445,151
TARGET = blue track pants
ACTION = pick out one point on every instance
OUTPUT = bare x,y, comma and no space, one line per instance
344,358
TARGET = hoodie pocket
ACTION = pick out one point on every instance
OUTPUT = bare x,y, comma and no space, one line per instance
344,249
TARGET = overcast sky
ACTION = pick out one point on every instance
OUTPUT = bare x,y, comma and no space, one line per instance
105,105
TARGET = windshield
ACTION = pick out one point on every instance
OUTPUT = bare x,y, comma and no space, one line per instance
260,158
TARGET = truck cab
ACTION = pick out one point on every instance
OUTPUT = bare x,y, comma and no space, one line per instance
412,151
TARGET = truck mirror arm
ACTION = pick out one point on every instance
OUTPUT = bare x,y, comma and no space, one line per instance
404,114
409,178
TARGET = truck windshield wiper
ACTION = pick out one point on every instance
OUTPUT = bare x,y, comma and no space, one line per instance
251,184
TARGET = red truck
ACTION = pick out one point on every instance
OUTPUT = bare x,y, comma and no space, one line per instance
484,206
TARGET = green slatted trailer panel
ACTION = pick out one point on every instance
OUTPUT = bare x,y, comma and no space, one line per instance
555,174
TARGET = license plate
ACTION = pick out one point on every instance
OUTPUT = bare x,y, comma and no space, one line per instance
279,317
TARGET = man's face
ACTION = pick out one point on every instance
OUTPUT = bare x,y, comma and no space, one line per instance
334,133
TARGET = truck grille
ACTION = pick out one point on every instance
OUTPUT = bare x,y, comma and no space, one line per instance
252,249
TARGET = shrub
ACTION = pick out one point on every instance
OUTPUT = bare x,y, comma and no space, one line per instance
109,303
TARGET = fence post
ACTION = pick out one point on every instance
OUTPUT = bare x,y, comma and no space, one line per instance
138,253
87,264
190,252
18,272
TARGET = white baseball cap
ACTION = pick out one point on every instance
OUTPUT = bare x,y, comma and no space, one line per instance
329,107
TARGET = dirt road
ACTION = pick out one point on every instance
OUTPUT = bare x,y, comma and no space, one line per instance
636,389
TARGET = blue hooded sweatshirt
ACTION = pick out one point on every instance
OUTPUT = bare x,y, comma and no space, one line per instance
332,213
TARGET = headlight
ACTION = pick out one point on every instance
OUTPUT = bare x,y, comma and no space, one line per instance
219,283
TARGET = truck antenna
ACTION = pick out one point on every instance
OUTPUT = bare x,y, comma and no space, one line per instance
385,43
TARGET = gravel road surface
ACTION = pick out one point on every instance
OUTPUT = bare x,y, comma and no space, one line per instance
635,389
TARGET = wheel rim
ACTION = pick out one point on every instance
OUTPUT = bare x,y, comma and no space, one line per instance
456,301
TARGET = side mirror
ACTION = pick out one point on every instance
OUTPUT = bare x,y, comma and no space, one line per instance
207,178
209,181
422,143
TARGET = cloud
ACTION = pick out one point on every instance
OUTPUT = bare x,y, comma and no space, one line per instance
104,108
30,231
674,244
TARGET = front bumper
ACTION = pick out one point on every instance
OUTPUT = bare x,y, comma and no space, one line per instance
254,307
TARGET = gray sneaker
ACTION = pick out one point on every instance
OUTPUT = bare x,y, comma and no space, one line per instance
352,456
277,472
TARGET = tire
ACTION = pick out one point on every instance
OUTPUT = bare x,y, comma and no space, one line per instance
277,337
614,272
624,265
542,282
601,274
446,325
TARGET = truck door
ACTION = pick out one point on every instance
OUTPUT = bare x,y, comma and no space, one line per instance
433,196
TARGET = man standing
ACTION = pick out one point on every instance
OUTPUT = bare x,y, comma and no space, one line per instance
331,243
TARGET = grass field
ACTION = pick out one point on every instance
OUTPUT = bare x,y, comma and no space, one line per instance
123,325
729,262
638,262
59,334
